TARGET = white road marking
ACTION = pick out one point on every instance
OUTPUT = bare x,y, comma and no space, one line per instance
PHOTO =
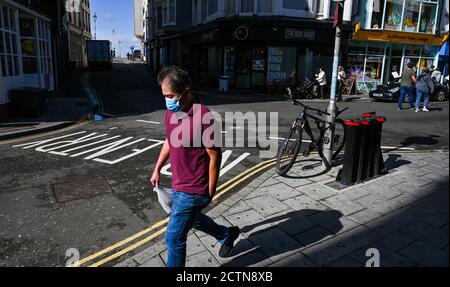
51,145
223,169
113,128
148,122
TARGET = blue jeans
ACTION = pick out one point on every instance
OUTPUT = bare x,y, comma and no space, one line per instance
186,214
406,91
425,101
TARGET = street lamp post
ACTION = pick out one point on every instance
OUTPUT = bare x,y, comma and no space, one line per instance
114,50
119,48
95,26
329,135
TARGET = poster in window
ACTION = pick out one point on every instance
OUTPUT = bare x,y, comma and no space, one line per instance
26,27
28,47
29,65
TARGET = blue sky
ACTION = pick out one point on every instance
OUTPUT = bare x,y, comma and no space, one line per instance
117,15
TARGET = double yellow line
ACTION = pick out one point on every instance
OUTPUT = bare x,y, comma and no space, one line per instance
222,189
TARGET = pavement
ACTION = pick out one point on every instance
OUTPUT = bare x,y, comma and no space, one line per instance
74,104
302,220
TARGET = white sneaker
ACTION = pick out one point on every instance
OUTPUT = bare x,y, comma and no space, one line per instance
425,110
417,110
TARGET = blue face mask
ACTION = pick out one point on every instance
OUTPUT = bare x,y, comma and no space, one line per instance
173,105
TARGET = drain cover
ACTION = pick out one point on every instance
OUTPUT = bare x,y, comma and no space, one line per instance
83,188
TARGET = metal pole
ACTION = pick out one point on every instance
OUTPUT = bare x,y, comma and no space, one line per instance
95,26
329,135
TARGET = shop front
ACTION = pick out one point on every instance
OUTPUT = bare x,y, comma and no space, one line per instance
259,54
377,57
389,35
25,51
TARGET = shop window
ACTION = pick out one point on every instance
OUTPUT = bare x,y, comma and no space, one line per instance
393,14
294,4
355,68
377,14
264,6
247,6
231,7
28,45
373,69
411,16
9,52
212,7
281,64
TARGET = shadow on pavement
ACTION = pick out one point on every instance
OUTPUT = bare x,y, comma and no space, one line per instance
393,161
422,221
273,241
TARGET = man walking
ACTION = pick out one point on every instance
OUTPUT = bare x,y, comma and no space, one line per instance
321,79
195,168
407,87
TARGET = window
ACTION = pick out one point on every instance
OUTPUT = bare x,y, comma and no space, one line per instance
393,14
428,18
9,52
264,6
204,9
281,64
159,18
365,64
172,11
195,12
247,6
231,7
319,11
212,7
411,16
44,48
295,4
406,15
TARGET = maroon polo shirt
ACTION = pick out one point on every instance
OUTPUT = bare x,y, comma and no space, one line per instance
187,149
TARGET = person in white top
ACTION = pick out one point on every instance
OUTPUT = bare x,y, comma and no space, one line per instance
341,78
322,81
436,74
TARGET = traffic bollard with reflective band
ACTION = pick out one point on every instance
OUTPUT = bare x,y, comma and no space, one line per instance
352,152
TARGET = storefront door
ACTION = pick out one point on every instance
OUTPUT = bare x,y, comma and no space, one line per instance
258,67
243,66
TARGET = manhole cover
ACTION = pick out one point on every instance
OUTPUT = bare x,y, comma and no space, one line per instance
83,188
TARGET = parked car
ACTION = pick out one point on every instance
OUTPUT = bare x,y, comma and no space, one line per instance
391,92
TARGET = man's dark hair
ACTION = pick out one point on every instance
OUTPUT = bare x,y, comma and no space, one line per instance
410,65
177,78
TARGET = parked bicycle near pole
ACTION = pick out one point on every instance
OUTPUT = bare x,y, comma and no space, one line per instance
290,147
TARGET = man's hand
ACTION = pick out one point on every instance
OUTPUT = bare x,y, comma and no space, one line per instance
163,156
155,178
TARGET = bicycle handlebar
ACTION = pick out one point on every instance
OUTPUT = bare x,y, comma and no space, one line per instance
321,112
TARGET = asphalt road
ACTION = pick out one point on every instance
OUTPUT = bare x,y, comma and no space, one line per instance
78,197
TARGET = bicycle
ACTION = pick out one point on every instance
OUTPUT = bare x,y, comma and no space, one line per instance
295,135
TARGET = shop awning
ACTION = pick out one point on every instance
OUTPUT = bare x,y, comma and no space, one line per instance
443,52
397,37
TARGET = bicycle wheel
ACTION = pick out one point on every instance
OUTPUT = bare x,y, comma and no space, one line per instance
288,150
339,137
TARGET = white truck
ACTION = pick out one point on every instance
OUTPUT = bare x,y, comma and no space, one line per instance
99,54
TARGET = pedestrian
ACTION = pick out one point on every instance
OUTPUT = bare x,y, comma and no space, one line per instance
424,87
407,87
436,75
341,78
195,168
322,81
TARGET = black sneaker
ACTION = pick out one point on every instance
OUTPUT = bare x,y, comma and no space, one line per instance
227,246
